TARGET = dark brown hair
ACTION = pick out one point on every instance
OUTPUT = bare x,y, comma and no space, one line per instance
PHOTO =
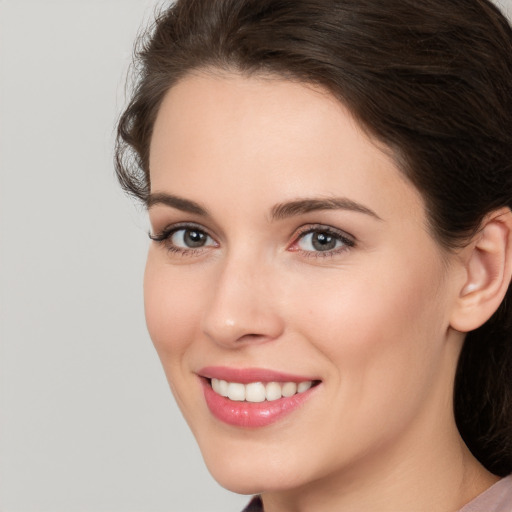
430,79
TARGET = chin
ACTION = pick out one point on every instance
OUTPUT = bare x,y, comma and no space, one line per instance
249,467
249,479
239,483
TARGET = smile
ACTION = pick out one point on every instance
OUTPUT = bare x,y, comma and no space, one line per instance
256,392
253,398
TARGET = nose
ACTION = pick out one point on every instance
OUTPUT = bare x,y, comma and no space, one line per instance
243,306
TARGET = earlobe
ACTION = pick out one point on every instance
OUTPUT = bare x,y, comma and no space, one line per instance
488,265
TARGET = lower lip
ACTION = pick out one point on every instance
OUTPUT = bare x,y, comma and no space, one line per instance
251,414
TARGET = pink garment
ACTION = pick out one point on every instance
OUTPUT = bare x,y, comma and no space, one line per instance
497,498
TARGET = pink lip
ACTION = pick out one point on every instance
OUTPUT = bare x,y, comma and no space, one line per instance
247,375
249,414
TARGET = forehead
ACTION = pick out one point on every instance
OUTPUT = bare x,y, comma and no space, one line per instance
266,137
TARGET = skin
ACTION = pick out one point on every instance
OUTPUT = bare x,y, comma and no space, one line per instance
372,319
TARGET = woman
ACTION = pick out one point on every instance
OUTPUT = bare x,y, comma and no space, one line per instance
329,187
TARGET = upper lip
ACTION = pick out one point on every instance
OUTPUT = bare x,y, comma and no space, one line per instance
248,375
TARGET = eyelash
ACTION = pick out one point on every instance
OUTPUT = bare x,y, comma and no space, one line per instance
165,236
347,241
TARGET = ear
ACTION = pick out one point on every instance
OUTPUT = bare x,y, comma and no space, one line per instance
488,269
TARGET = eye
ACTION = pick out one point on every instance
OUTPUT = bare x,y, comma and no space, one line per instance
184,239
322,240
318,241
190,238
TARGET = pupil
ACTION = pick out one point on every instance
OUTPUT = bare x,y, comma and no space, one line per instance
323,242
194,238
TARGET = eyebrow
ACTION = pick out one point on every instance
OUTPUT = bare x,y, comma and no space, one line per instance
301,206
179,203
278,212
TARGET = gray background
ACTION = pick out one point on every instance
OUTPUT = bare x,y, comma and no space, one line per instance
87,422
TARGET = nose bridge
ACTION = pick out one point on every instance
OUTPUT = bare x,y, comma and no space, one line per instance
241,306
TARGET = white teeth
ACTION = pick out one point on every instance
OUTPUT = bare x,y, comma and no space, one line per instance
257,391
289,389
236,391
223,388
304,386
273,391
220,387
215,386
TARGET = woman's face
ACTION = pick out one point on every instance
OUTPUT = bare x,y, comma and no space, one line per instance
291,252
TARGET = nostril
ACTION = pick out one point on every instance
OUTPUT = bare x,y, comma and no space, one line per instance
253,338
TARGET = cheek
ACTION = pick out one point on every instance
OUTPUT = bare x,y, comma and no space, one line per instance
380,337
172,308
384,325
